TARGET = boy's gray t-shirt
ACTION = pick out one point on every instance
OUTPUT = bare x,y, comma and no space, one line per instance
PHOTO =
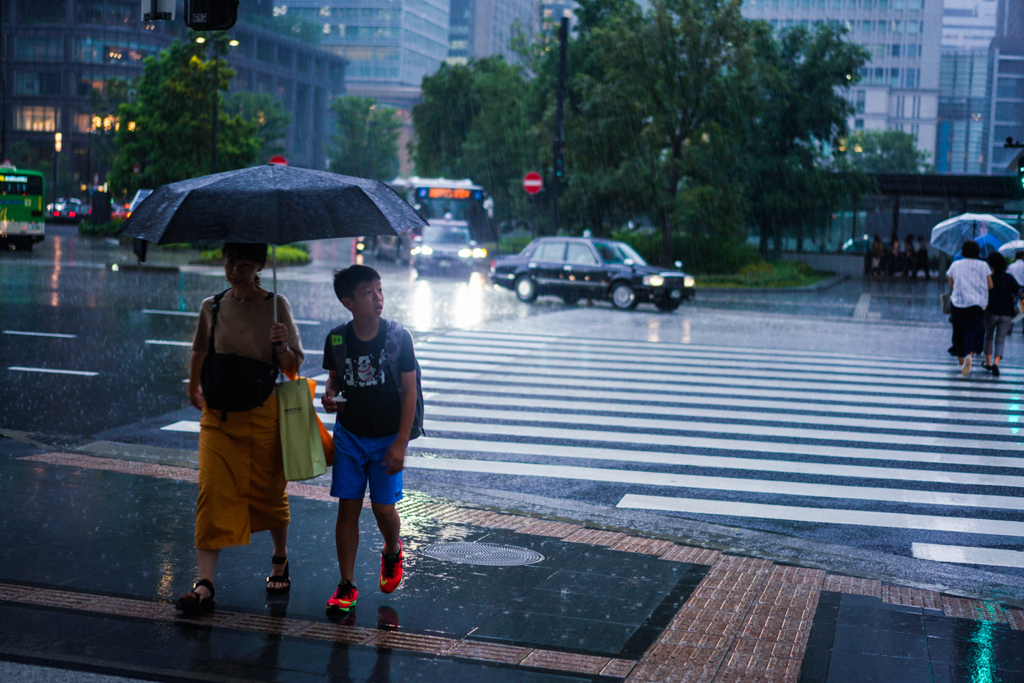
372,407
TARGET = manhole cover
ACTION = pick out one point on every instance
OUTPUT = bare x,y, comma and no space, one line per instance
490,554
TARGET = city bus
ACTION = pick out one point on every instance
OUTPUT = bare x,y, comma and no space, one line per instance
22,223
437,199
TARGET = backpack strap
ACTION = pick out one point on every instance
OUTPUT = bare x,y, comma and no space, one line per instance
392,349
213,318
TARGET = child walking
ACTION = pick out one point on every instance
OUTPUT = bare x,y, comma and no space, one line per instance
373,388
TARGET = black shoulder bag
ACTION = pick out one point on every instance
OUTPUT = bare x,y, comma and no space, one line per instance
233,383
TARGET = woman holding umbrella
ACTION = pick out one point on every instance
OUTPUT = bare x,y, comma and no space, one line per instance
970,279
239,345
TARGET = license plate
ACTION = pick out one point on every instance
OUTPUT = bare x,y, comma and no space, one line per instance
444,263
675,294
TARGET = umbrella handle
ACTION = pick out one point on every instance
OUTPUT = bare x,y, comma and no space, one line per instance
273,262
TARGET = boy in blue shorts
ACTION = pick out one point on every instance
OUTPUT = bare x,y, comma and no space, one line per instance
376,406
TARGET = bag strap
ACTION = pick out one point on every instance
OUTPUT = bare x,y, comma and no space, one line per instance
213,318
393,347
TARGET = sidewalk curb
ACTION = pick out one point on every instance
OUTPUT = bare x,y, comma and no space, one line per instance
817,287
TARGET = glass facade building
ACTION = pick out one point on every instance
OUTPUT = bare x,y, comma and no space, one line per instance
899,87
1006,86
481,28
390,45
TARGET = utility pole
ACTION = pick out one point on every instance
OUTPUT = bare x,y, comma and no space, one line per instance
558,145
214,45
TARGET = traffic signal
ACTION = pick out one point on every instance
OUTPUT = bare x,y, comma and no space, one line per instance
559,166
211,15
1020,169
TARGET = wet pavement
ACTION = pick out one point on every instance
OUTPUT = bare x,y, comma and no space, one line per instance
96,549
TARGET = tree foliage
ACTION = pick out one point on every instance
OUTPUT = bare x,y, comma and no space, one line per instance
367,141
266,113
165,129
884,151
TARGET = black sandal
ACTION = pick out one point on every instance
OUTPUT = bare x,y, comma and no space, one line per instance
193,603
283,578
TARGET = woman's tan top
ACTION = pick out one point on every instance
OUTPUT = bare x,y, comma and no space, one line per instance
244,328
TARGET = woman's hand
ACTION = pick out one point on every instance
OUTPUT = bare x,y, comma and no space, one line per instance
279,335
195,397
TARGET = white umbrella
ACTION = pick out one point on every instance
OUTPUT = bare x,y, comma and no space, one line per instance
1011,248
950,234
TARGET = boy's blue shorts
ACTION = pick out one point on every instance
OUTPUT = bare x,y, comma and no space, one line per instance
358,459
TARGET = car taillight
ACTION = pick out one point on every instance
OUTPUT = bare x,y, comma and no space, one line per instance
492,264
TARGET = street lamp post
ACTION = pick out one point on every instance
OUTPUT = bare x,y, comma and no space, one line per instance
57,139
217,50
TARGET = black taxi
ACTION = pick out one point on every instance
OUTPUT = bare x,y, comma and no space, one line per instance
576,268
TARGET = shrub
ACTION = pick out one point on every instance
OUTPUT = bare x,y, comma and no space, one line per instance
700,255
287,255
102,230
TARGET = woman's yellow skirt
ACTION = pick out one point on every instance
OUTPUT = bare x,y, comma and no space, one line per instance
241,477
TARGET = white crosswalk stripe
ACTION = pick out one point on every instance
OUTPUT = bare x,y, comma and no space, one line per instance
732,433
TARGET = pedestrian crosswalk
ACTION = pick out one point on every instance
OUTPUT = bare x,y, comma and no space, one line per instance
885,453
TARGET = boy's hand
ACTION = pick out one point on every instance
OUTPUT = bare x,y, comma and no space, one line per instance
330,404
394,459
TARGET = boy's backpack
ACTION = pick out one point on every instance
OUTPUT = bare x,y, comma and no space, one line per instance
392,349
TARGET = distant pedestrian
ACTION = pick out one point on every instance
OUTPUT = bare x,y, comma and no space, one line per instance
895,258
970,279
877,254
909,255
1016,269
1000,311
921,259
241,473
373,387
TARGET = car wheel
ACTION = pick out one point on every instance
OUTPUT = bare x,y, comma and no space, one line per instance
667,306
623,297
526,288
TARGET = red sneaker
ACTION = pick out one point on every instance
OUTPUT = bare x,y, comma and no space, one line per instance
344,598
391,570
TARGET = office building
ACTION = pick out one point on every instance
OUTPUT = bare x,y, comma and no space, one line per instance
899,86
389,46
552,12
1006,66
56,53
481,28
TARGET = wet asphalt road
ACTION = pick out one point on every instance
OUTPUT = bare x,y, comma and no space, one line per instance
783,363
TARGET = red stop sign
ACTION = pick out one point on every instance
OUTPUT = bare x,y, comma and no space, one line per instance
533,183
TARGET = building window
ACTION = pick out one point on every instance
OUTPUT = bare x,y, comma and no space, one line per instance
83,123
910,78
1009,112
89,12
894,78
37,84
31,49
37,119
46,12
858,124
1011,66
121,14
859,101
894,50
1010,88
912,51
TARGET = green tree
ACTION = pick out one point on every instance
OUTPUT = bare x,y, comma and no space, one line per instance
442,120
267,114
792,114
886,151
678,68
165,130
366,145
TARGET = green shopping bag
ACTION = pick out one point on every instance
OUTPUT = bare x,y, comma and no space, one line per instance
301,447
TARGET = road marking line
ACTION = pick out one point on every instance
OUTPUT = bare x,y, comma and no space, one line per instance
693,442
41,334
187,314
861,310
52,371
305,322
829,421
959,554
623,398
191,426
715,375
164,342
435,444
822,390
769,486
604,422
730,508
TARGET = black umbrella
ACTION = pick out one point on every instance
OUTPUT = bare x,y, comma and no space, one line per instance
273,204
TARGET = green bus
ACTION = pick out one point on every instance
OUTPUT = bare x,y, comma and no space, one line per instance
22,223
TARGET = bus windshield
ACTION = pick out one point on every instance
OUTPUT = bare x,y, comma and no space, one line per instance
618,252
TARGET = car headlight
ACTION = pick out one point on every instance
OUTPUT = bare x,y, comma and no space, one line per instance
465,253
414,251
426,251
479,253
688,281
654,280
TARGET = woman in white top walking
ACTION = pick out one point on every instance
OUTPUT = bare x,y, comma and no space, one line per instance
970,279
